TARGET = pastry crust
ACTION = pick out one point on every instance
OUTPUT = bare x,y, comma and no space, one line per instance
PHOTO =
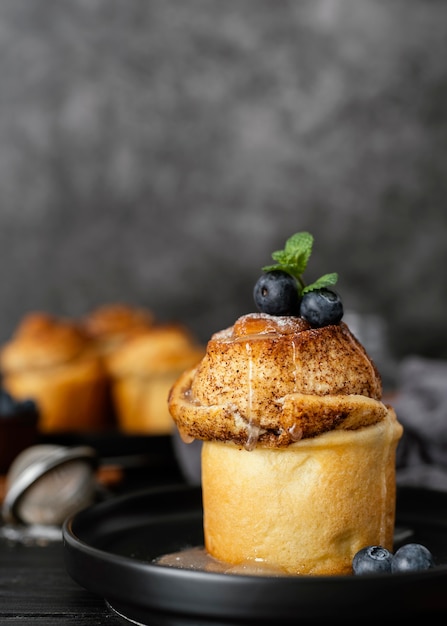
162,348
52,361
298,455
142,372
42,340
305,509
271,381
110,325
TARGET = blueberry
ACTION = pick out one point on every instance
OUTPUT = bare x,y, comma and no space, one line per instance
412,557
7,404
321,307
28,406
276,293
372,560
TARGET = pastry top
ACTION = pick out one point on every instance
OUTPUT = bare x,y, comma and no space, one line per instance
161,348
42,340
112,323
272,380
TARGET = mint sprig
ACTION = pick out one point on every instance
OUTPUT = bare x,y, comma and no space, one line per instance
294,259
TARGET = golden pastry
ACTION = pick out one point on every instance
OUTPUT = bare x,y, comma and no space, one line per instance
298,456
143,370
110,325
52,361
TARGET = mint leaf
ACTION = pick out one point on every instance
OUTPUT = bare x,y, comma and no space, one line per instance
299,248
324,281
294,259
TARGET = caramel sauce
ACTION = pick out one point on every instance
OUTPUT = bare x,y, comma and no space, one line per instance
198,559
262,324
253,429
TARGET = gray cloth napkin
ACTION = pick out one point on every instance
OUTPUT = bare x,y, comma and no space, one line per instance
421,407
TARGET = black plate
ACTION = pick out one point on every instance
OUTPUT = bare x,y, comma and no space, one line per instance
113,444
109,547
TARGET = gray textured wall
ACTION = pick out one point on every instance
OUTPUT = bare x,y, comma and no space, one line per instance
157,152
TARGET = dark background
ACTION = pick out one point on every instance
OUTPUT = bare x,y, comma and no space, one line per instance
157,151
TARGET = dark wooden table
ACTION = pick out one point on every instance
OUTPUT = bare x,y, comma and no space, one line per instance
35,587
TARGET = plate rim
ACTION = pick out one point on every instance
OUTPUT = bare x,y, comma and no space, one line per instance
148,587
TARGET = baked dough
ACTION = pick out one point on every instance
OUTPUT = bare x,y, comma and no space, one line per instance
51,360
110,325
142,372
307,508
271,381
298,459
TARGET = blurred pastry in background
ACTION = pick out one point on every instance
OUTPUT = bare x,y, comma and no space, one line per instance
52,360
110,325
142,372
